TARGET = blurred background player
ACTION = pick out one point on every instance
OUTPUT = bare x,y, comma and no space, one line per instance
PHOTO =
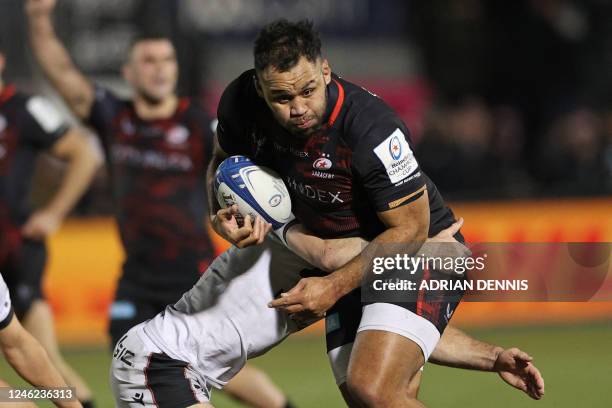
25,354
29,125
157,148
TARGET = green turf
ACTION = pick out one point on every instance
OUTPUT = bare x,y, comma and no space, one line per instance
576,363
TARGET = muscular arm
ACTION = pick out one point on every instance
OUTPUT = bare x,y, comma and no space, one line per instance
30,360
457,349
55,61
407,227
83,161
327,255
514,366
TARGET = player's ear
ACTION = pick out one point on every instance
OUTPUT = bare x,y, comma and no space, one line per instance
326,70
257,86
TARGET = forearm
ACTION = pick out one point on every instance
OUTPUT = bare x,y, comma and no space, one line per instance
57,65
83,162
32,363
351,276
457,349
327,255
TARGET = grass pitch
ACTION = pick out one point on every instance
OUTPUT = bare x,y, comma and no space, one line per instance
576,362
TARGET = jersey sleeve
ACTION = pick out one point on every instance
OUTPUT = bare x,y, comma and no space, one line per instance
385,163
232,126
44,124
6,308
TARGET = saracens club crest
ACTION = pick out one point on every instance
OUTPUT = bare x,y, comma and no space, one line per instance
322,163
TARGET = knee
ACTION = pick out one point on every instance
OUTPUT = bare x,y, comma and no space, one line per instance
366,392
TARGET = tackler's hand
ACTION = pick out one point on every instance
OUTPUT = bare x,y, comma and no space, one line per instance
251,232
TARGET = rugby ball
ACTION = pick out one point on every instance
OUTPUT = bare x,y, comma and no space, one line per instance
256,190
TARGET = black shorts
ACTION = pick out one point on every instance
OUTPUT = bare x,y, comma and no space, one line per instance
22,271
135,303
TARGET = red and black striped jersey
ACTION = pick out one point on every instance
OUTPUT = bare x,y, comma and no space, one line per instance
158,172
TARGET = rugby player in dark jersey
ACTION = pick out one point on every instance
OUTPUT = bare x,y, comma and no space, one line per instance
157,150
30,125
347,160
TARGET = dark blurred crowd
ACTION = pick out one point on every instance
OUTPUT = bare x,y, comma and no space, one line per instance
523,96
522,88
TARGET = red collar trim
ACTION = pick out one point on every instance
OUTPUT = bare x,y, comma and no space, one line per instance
338,106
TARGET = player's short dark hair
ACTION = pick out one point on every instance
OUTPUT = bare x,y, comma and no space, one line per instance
281,44
149,36
2,49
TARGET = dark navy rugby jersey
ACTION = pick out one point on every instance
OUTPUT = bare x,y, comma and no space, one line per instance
28,125
359,163
158,170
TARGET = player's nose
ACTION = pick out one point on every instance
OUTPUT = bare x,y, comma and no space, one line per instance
298,108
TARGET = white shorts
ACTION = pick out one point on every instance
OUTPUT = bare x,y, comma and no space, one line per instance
391,318
142,376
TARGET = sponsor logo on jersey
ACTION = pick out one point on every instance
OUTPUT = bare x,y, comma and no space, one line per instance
322,163
323,175
178,135
298,153
396,156
314,193
3,124
151,158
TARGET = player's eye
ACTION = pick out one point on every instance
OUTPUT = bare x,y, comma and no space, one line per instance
308,92
282,99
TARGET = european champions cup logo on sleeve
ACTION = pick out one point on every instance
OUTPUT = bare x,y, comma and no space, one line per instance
396,156
395,148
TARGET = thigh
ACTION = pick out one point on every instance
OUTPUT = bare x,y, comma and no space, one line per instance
383,361
143,376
